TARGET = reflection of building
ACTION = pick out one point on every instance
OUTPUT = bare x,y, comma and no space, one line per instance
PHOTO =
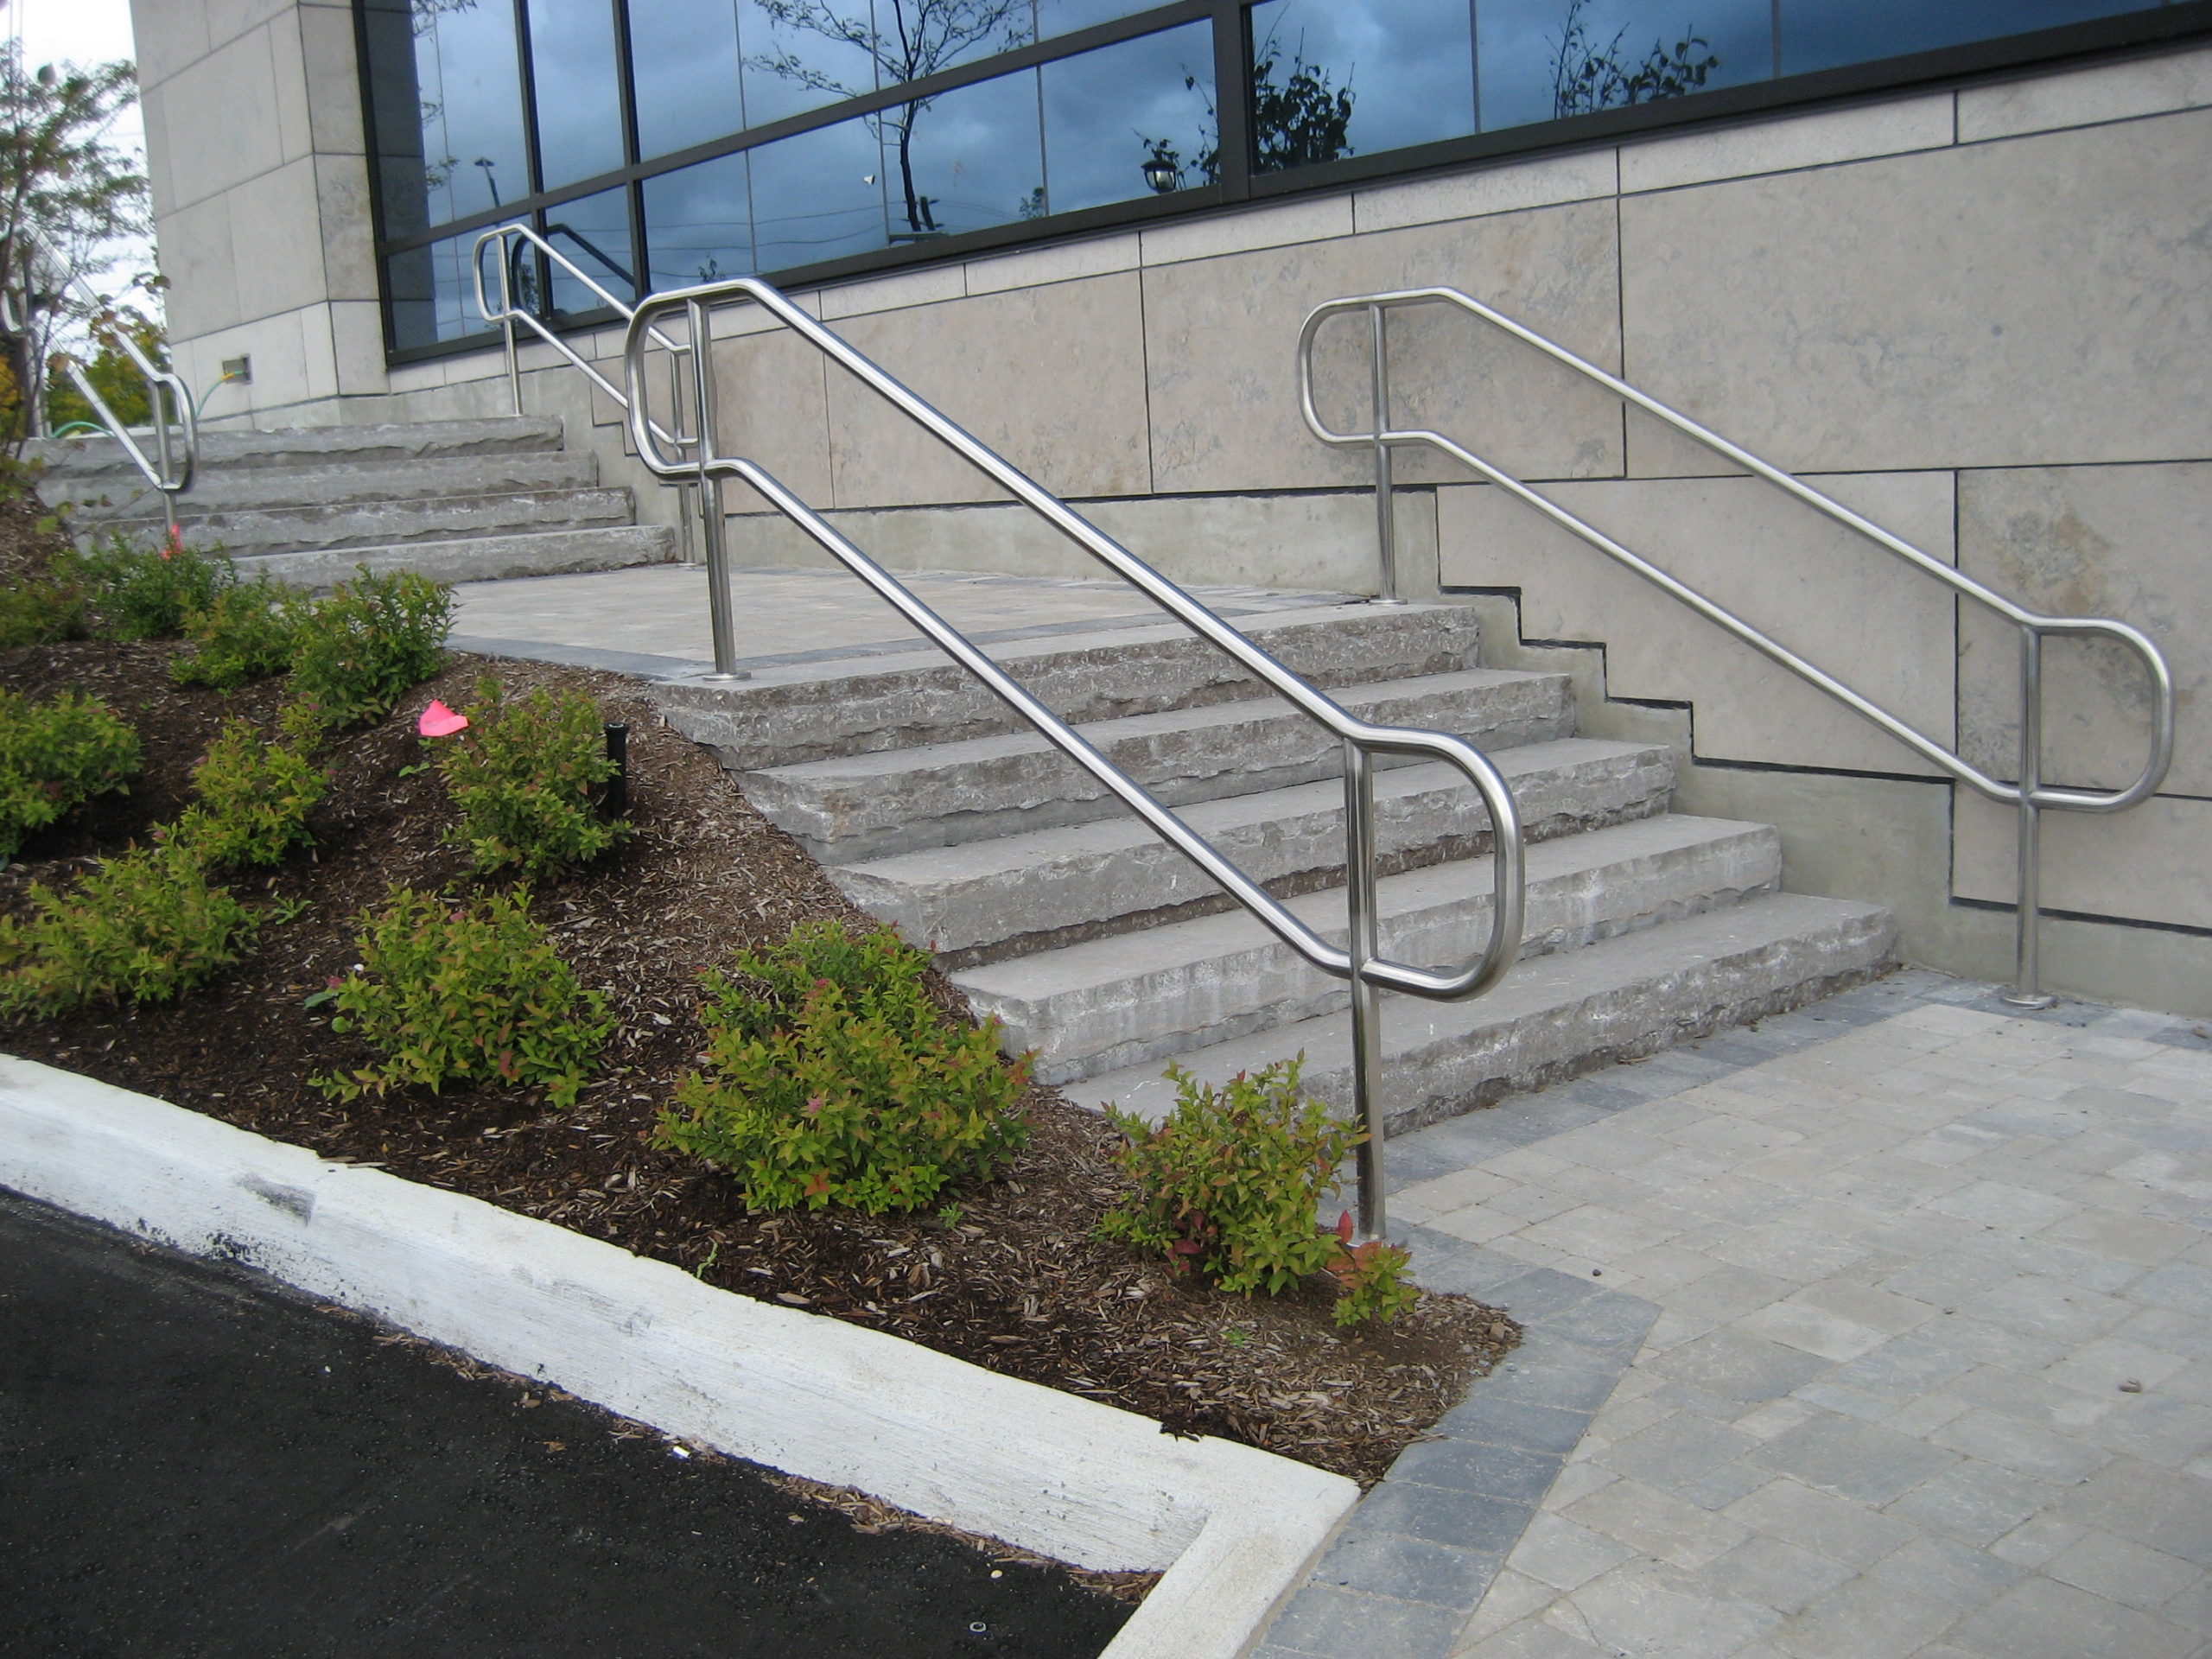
1961,277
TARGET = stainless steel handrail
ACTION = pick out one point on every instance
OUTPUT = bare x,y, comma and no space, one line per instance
1358,963
511,239
2030,794
170,468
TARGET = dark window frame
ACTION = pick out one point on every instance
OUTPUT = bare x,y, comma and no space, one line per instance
2138,33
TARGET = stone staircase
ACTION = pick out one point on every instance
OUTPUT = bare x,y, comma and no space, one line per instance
1111,954
460,500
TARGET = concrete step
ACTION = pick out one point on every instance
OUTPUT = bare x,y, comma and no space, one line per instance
126,502
789,714
312,445
389,523
479,558
1559,1015
868,806
988,900
1146,997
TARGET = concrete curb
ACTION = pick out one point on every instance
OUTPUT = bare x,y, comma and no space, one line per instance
1234,1529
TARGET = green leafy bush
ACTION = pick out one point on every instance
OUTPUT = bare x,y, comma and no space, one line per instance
247,632
143,926
475,995
146,593
363,648
254,799
42,609
53,755
832,1078
523,775
1228,1183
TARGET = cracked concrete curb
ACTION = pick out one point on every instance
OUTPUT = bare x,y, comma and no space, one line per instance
1233,1528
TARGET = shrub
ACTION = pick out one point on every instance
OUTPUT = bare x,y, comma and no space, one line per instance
833,1079
1228,1185
145,926
247,632
522,776
254,800
363,648
53,755
42,609
146,593
473,994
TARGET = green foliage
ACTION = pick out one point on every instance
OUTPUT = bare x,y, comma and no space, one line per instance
112,373
247,632
254,800
143,926
147,593
44,608
363,648
1228,1183
474,994
53,755
832,1078
523,775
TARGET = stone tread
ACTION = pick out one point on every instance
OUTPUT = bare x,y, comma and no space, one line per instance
248,531
1041,885
1560,1015
479,558
791,713
263,488
309,445
870,805
1115,1001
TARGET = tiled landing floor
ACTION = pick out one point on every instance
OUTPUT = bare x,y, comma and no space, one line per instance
1928,1371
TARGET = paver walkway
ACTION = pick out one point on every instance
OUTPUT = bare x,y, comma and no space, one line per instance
1930,1372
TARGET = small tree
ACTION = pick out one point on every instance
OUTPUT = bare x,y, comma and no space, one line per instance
907,39
65,193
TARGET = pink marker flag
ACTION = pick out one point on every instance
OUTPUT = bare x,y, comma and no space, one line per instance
438,721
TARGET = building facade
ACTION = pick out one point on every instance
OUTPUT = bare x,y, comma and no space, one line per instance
1953,264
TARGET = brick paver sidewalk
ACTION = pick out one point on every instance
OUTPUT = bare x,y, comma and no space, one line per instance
1931,1371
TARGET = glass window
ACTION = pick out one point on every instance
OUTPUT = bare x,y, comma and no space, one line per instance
1822,33
683,55
699,223
963,160
1111,112
800,54
1331,79
592,234
818,195
919,37
1542,59
432,294
1066,16
576,75
449,109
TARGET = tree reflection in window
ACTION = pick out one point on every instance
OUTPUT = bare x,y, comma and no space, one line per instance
1298,121
924,36
1586,78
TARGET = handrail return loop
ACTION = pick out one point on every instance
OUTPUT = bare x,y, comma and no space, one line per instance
2029,793
1359,963
176,426
512,242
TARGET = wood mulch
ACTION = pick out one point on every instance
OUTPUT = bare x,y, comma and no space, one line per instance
1019,1282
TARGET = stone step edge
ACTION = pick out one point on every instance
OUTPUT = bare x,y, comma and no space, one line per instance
391,441
391,476
478,558
1562,1016
1229,976
934,909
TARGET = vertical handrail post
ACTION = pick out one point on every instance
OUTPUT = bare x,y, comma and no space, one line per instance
1386,522
682,490
1366,1000
2027,991
507,326
711,527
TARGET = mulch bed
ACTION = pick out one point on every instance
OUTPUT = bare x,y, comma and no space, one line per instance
1019,1283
